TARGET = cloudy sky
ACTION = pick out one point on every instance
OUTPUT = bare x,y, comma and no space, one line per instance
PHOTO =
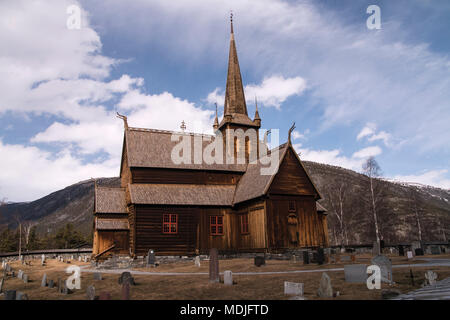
353,92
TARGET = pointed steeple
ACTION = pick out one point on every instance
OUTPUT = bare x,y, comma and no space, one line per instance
256,111
216,121
234,94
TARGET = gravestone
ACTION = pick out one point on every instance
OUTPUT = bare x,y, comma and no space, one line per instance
90,293
197,261
126,291
10,295
1,284
355,273
409,254
8,268
79,258
25,278
97,276
51,284
126,277
325,289
320,256
293,288
260,261
415,245
214,265
228,278
430,277
401,251
151,259
385,267
59,285
63,289
44,280
43,260
21,296
305,257
20,274
435,250
418,252
105,296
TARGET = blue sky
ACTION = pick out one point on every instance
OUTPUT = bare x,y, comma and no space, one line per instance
353,92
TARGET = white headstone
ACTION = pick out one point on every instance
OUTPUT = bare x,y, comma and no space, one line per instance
385,267
228,278
293,288
409,254
197,261
325,288
431,277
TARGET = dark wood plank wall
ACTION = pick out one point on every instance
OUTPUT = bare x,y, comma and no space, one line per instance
149,235
256,239
132,222
155,175
291,178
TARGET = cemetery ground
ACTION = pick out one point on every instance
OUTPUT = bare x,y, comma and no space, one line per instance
197,286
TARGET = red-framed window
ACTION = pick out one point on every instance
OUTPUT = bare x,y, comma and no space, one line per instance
216,225
170,223
244,224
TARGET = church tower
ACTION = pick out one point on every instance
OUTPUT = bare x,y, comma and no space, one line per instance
240,133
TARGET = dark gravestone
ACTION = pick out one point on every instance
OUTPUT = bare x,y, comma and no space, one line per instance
51,283
305,257
21,296
259,261
126,291
105,296
97,276
44,280
381,244
126,277
435,250
1,284
151,259
419,252
213,265
401,251
10,295
320,256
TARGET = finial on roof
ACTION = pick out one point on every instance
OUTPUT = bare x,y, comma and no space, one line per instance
290,131
256,110
216,120
266,135
183,126
231,20
124,118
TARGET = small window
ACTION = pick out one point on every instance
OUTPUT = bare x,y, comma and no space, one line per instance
170,223
244,224
292,206
216,225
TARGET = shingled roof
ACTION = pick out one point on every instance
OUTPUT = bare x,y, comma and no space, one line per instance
111,224
153,149
110,200
182,194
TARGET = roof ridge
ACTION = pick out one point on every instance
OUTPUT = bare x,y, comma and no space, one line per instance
168,131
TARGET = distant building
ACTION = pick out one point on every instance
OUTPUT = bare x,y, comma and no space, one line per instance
189,208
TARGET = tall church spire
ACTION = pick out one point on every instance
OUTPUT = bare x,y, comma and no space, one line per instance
234,94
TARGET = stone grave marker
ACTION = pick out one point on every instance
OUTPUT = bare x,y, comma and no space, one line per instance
320,256
126,277
21,296
260,261
416,245
385,267
51,284
20,274
10,295
44,280
228,278
79,258
325,289
293,288
355,273
126,291
43,260
401,251
430,277
305,257
97,276
151,259
1,284
105,296
25,278
90,293
197,261
213,265
409,254
418,252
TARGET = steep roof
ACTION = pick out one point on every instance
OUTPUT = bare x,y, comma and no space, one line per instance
320,208
153,149
182,194
110,200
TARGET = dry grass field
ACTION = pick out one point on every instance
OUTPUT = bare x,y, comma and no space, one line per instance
253,287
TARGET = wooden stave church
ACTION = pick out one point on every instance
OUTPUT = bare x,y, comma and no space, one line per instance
231,207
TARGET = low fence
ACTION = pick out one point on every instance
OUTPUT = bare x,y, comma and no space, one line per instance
47,252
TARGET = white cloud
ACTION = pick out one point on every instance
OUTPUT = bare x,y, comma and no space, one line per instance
216,97
368,152
436,178
370,132
297,135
